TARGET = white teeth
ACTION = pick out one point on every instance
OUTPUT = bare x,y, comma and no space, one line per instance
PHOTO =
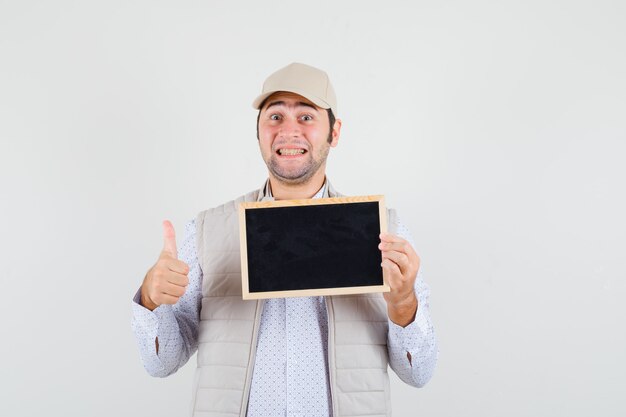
291,151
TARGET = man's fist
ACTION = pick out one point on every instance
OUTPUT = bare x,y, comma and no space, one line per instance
167,280
402,264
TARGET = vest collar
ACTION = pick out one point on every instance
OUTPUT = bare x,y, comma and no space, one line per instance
264,192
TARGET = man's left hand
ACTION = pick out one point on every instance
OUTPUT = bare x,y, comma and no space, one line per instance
401,264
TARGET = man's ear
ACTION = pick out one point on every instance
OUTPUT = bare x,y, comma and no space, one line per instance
335,133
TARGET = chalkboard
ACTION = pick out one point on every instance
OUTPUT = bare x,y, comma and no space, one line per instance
325,246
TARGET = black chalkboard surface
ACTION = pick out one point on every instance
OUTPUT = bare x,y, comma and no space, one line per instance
326,246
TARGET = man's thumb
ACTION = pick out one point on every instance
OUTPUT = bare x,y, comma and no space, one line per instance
169,239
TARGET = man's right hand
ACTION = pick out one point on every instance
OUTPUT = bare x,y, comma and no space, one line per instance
167,280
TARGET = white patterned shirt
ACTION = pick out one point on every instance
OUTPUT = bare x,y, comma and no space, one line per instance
290,376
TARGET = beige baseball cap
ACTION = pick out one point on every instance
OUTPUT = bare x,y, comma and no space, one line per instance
305,80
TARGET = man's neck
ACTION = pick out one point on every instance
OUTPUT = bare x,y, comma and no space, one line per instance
282,191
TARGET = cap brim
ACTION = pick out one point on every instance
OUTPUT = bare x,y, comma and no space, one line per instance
312,98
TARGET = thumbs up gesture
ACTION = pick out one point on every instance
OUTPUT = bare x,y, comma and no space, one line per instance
167,280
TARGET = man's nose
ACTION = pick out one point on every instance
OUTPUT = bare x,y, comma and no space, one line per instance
290,128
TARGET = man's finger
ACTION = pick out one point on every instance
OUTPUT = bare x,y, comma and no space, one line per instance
174,290
403,247
178,279
394,276
399,258
169,239
388,237
395,243
175,265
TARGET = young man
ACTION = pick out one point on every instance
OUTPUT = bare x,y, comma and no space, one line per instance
304,356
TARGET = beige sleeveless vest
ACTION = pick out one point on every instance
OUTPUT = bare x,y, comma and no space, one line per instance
357,326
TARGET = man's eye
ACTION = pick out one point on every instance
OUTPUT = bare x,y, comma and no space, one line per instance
306,117
274,117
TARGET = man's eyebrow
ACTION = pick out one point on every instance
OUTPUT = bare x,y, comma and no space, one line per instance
280,103
301,103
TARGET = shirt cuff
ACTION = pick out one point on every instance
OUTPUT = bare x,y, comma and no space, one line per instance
142,317
408,337
145,324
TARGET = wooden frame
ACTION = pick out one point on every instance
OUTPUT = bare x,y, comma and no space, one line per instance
359,289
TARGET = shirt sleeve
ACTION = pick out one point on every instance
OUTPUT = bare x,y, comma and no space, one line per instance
413,349
176,326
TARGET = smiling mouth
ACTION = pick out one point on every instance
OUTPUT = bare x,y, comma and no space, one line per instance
290,152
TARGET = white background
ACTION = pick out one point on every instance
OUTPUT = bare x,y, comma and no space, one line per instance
496,129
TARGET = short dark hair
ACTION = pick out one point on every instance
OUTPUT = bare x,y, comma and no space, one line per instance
331,120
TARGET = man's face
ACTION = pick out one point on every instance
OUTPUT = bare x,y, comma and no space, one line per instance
293,135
